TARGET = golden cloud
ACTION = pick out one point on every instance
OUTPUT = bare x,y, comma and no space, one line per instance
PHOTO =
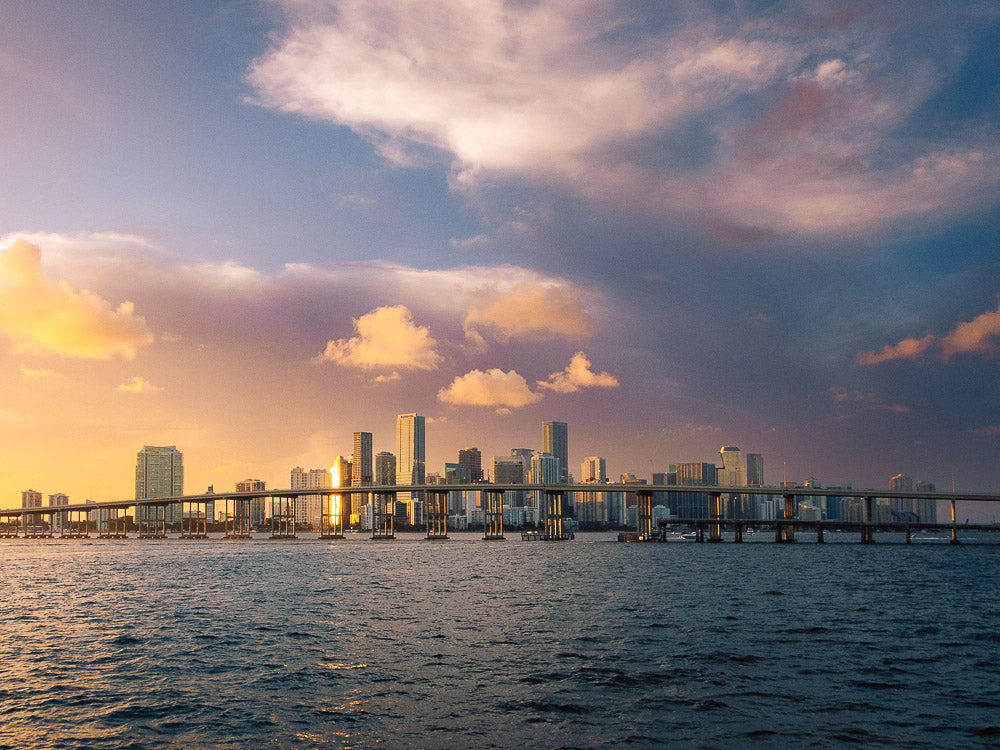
529,311
32,373
977,335
387,337
908,348
39,314
578,375
139,385
491,388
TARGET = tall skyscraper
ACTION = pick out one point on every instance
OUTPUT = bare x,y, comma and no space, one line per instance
159,472
472,460
555,440
385,469
361,461
733,472
755,470
410,460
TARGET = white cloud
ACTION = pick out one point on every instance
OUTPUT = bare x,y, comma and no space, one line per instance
32,373
387,337
490,388
578,375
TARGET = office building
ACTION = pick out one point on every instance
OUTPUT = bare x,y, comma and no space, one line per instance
555,440
594,469
472,460
56,500
362,474
509,471
385,469
755,470
691,504
159,472
411,462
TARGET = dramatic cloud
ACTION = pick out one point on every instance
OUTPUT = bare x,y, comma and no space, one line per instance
843,396
139,385
736,121
578,375
491,388
41,315
529,311
980,334
387,337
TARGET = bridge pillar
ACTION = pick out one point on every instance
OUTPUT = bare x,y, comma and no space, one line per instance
738,534
151,521
436,514
715,514
237,523
331,519
282,518
32,527
110,523
554,515
383,515
954,527
8,529
786,531
867,533
492,503
193,520
819,532
909,535
644,516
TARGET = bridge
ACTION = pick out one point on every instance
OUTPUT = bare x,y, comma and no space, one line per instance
74,521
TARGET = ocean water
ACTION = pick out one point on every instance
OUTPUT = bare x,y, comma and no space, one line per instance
464,643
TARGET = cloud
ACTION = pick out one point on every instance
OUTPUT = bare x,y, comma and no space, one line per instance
980,334
490,388
41,315
729,120
842,395
387,337
471,243
530,311
139,385
39,374
391,377
990,431
578,375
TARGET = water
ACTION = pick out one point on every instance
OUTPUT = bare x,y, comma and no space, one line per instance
463,643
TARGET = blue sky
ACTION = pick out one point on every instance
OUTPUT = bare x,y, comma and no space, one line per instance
771,225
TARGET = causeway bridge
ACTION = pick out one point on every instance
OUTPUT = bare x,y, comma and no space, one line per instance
75,521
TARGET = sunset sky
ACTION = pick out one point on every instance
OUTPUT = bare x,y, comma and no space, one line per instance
250,228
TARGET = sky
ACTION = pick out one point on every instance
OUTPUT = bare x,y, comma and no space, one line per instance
250,228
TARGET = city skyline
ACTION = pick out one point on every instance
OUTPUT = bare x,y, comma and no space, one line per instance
247,229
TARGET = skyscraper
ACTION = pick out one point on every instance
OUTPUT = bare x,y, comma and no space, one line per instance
258,509
555,440
472,460
361,461
309,508
733,472
593,469
159,472
385,469
755,470
410,460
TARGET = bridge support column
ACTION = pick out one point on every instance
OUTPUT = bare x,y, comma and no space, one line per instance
715,514
331,519
819,533
282,518
954,527
193,520
8,527
909,535
151,521
492,503
738,534
785,532
699,534
644,516
554,515
110,523
383,515
237,522
436,514
867,533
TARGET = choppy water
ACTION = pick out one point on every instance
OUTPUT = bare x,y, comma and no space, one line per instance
136,644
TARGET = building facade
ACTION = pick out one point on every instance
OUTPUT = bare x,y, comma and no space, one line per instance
159,472
555,440
472,460
362,473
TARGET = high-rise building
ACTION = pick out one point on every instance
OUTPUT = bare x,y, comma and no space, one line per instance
385,469
159,472
555,440
691,504
918,509
56,500
755,470
410,462
258,505
733,472
361,460
593,469
309,508
472,460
